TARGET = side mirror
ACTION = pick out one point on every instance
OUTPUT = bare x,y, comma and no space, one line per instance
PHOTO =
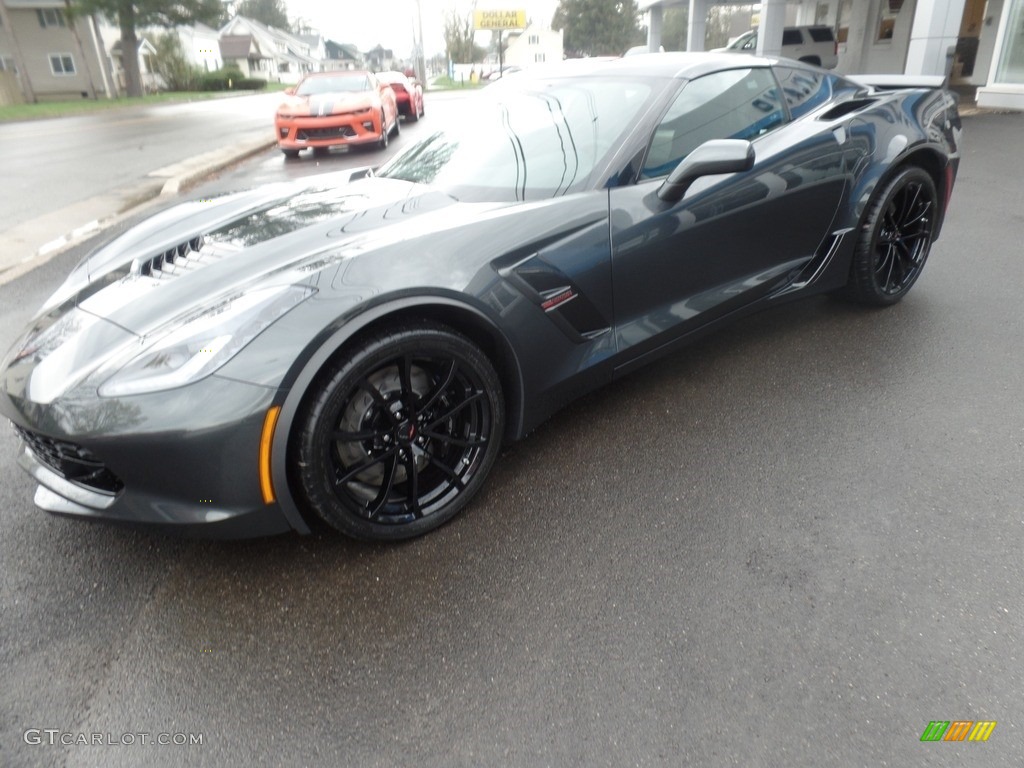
710,158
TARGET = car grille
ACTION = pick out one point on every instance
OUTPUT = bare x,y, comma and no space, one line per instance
312,134
70,461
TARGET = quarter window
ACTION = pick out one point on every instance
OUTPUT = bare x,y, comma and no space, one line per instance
734,104
62,64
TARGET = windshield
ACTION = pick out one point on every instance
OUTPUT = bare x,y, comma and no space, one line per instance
340,84
746,40
527,140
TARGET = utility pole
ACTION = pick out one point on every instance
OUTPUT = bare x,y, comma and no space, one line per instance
421,58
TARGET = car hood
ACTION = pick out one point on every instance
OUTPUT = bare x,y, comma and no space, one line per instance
195,255
194,252
327,103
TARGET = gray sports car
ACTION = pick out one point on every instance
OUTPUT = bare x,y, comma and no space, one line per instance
355,349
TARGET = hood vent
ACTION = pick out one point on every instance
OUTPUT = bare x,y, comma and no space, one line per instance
185,257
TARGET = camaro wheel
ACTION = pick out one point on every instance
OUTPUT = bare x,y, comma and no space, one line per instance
895,239
399,435
291,154
383,141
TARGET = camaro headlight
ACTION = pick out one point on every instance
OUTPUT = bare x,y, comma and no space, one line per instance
202,344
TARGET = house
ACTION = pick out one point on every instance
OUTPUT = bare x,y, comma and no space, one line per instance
51,56
536,44
283,57
243,52
151,81
199,43
380,59
341,56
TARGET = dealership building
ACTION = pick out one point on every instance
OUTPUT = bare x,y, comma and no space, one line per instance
978,43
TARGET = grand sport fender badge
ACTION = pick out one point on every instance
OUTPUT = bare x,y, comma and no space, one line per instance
559,296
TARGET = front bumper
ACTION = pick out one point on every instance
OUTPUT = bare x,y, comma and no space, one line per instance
328,131
196,474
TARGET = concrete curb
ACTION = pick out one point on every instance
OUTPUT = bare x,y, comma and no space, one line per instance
20,255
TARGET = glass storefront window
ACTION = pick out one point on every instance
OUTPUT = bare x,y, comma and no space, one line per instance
1011,58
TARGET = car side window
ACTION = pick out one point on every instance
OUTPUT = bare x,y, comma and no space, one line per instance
733,104
804,90
792,37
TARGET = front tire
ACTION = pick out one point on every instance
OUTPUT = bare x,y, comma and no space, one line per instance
895,239
382,142
398,435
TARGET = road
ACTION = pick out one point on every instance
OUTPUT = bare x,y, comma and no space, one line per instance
79,173
794,544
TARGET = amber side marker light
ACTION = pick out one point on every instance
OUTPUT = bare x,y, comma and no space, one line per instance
266,482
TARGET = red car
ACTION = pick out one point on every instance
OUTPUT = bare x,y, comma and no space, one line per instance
408,92
329,109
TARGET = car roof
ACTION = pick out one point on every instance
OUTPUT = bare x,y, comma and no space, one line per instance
682,65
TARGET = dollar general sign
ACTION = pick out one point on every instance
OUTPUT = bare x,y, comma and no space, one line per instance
499,19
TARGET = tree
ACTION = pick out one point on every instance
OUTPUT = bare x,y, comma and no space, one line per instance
269,12
597,27
172,65
674,27
132,14
459,38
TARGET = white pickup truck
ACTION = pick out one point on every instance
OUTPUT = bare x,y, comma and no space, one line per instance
814,45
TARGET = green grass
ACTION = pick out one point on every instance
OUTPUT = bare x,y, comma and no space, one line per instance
445,83
52,109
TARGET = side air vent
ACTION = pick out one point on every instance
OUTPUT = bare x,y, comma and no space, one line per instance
846,108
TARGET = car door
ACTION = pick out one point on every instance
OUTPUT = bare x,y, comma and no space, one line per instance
732,238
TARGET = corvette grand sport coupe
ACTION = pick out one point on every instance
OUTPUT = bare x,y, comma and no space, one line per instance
354,349
329,109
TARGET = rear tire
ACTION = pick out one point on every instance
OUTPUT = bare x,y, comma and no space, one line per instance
399,434
895,239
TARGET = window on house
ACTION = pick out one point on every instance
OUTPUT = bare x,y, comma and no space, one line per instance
534,40
7,65
538,58
62,64
50,17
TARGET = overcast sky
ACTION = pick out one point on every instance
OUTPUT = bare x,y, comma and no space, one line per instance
391,22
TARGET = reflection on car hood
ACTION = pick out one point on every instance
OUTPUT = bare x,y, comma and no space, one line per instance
197,251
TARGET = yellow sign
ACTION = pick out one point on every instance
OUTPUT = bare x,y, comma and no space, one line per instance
499,19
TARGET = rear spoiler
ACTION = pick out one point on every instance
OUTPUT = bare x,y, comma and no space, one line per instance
898,82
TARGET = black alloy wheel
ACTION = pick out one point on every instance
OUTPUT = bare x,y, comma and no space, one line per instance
895,239
399,434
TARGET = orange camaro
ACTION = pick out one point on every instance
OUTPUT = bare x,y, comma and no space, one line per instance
329,109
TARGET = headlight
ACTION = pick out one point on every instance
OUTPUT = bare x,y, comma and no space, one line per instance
202,344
